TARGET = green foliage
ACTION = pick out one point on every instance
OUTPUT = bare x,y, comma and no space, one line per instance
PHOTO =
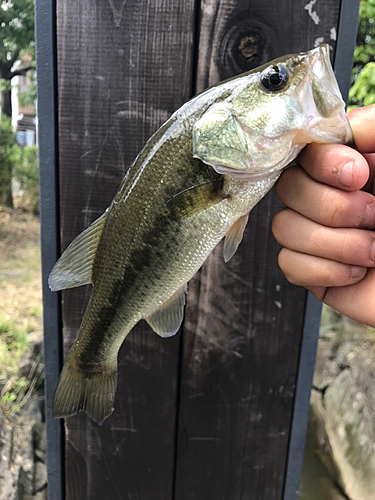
19,164
26,172
12,336
7,138
36,311
29,97
5,85
7,156
14,342
17,27
17,37
365,45
14,396
362,92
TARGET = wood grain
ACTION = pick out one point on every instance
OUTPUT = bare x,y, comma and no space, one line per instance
244,320
124,67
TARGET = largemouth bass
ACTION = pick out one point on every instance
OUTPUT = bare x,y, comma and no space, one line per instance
194,183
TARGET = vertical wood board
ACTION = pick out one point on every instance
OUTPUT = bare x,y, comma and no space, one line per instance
244,320
123,68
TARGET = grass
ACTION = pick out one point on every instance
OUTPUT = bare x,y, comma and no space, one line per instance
21,304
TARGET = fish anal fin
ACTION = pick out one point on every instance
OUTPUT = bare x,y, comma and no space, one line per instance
234,237
74,267
91,392
167,320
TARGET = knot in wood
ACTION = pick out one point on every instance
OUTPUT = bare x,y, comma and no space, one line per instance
249,46
247,43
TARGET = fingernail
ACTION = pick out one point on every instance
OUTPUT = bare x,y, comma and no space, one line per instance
346,174
357,272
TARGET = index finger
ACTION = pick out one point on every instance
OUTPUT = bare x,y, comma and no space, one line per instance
335,165
362,121
340,166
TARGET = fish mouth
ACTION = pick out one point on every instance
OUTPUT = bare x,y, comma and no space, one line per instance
336,130
327,120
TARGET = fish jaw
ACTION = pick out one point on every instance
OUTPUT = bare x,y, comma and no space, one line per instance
255,132
325,109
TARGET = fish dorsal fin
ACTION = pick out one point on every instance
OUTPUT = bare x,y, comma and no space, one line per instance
221,141
74,267
234,237
167,320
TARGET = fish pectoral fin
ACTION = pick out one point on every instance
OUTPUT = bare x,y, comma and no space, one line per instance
195,199
74,267
234,237
220,140
167,320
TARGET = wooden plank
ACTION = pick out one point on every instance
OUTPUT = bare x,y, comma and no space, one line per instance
244,321
124,67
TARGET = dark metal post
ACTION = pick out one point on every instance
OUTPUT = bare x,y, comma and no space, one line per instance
343,64
346,38
305,375
45,14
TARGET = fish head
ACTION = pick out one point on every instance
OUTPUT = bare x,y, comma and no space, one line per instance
269,114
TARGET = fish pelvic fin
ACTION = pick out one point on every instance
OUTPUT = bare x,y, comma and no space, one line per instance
90,391
234,237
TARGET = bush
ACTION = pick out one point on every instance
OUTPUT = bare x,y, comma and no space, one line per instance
362,93
14,342
7,158
20,164
26,173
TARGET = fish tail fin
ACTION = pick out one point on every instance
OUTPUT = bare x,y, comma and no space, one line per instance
89,391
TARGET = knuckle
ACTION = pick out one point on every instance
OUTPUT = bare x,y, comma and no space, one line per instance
284,263
334,209
278,224
345,249
281,259
371,254
328,272
356,249
325,275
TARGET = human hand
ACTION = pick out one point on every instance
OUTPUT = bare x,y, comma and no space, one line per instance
326,229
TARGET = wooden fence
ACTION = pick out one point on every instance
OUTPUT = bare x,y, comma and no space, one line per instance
220,410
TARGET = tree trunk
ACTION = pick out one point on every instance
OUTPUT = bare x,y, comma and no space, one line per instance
6,188
6,110
6,103
9,195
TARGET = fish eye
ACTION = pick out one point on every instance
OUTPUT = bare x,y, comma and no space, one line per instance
274,78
